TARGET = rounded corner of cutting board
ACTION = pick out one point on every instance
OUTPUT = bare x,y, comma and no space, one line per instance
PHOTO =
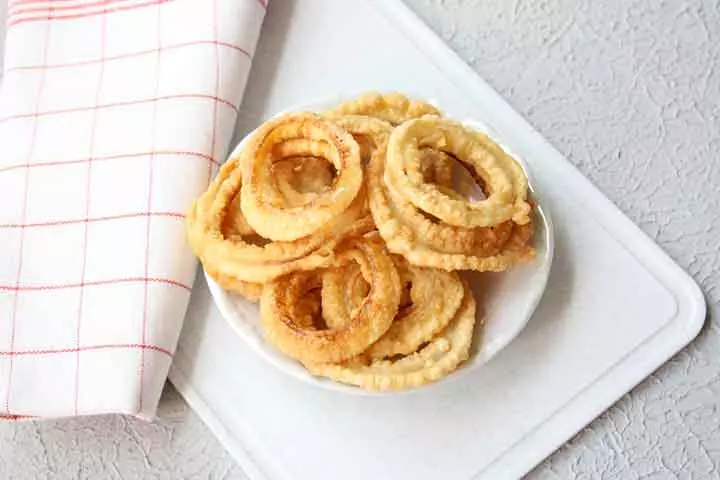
696,309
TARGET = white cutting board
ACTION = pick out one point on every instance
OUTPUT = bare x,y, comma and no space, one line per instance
616,307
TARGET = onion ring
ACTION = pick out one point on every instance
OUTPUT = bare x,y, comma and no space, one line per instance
503,176
418,320
440,357
429,312
417,240
282,323
261,203
392,107
223,243
480,241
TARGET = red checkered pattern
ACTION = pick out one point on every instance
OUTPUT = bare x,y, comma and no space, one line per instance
113,117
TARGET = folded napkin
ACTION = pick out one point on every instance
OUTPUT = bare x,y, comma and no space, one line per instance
113,117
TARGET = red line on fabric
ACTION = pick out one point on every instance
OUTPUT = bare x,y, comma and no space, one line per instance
21,248
13,3
148,207
57,223
95,283
109,346
86,229
19,8
122,56
17,21
28,2
121,104
263,3
217,89
120,156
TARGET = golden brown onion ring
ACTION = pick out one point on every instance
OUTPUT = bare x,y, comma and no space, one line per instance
263,206
439,358
505,180
435,298
479,241
234,255
415,240
417,322
369,322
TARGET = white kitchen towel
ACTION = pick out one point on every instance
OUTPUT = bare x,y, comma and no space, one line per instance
113,117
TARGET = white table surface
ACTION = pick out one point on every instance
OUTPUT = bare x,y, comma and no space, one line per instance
628,91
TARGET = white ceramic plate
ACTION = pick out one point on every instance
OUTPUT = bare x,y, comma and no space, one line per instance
508,299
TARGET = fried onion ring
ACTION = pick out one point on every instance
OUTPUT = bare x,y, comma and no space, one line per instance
434,361
418,320
428,313
504,177
262,204
480,241
419,241
225,245
392,107
282,322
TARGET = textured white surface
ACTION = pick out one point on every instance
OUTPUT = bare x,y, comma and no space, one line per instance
629,92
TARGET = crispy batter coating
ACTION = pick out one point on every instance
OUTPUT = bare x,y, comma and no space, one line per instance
416,241
393,107
504,178
264,207
284,325
440,357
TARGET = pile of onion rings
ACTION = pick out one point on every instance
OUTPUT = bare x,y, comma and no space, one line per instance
350,228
